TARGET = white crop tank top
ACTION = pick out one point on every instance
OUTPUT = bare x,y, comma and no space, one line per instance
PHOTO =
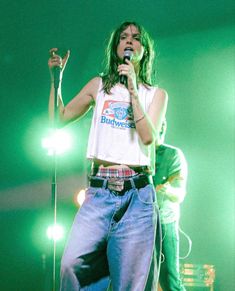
113,137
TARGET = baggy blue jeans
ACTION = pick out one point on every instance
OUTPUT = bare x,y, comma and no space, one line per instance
113,236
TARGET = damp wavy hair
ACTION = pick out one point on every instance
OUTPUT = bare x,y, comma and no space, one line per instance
110,76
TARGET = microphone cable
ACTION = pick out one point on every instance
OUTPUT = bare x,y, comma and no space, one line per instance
189,243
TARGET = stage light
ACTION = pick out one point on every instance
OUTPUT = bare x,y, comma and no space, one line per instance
55,232
80,197
57,142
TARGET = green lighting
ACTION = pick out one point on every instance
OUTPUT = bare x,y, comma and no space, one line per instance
58,142
55,232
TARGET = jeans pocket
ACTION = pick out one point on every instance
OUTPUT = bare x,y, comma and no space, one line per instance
147,195
91,192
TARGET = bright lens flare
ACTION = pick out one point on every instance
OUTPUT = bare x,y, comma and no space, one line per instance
55,232
58,142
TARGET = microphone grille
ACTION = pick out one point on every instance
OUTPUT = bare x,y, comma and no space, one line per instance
128,53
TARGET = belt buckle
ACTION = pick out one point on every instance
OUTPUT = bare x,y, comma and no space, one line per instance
115,184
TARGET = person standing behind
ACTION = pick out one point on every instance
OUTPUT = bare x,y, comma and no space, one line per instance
170,182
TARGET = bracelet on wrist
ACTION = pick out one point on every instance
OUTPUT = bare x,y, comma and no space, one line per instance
140,118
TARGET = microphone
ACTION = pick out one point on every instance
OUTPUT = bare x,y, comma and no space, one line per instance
128,52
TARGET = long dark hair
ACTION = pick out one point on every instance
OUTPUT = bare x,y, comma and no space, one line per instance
110,75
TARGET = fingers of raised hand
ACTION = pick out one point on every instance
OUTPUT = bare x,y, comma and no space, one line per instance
54,60
124,70
53,51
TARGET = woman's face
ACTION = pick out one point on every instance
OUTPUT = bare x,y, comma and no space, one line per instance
130,38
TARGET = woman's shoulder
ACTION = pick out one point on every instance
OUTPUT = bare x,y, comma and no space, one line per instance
155,89
159,95
91,88
96,82
160,92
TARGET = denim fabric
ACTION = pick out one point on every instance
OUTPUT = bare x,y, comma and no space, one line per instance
113,236
169,274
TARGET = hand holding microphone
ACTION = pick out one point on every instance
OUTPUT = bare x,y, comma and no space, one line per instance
128,53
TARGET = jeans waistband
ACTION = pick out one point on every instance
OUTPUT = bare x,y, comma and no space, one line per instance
121,185
133,170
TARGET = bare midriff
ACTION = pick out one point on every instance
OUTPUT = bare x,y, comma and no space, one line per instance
109,165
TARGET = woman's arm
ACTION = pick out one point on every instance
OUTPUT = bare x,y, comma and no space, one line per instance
80,104
148,125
